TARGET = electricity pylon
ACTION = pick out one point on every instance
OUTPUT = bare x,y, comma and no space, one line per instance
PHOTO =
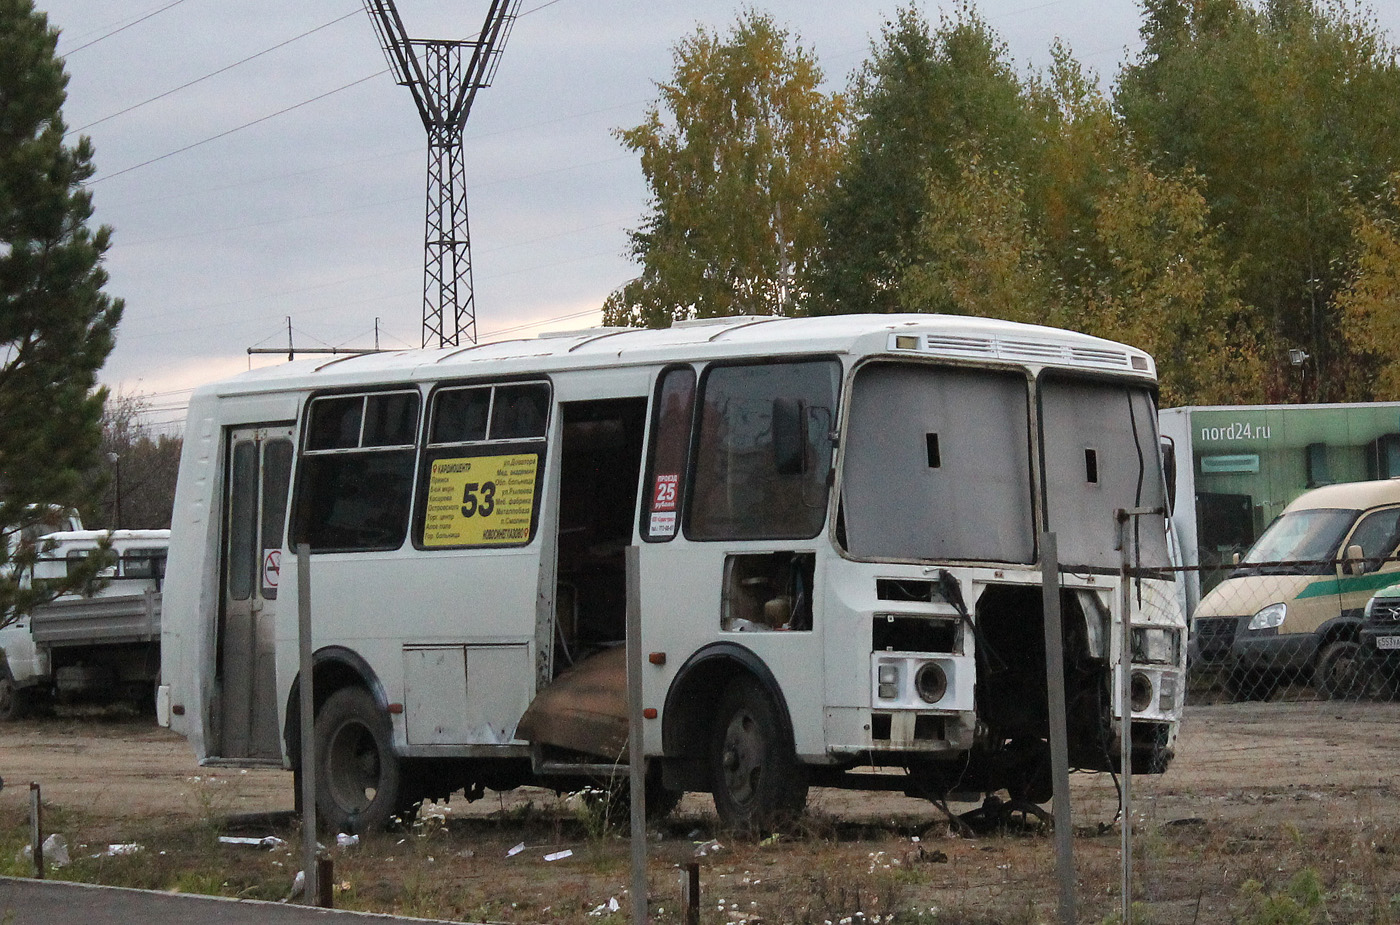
444,75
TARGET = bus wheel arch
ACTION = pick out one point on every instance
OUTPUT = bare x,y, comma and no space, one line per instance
728,730
358,776
336,670
332,668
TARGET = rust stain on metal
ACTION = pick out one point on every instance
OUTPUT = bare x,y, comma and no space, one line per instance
584,709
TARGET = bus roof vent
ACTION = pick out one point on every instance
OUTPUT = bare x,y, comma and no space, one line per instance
957,343
1097,356
1031,349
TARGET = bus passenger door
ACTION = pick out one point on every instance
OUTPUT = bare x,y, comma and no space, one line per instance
255,508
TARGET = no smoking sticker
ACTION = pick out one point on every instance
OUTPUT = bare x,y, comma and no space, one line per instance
271,568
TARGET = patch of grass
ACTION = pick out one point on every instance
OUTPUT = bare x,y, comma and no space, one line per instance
1299,903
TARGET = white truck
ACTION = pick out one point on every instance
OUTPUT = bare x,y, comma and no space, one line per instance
100,644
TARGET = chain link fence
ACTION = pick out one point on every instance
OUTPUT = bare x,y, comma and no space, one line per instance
1279,804
1312,630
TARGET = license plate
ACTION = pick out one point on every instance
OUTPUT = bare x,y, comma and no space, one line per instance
1388,642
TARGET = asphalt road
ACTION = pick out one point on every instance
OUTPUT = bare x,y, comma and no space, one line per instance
53,902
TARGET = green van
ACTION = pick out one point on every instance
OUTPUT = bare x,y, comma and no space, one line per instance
1292,608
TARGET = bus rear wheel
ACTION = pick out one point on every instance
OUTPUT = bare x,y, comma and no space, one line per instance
756,780
358,778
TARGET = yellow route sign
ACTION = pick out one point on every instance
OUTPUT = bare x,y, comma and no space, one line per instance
481,500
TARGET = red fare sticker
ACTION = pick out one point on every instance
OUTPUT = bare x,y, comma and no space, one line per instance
664,496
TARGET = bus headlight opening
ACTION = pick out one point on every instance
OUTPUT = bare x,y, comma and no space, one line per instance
1140,691
931,682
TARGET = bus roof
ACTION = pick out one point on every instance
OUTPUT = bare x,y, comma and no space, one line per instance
951,336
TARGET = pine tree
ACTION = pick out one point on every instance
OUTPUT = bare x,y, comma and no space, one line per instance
56,323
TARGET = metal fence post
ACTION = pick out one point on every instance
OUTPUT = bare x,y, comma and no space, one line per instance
635,751
36,829
1059,736
310,892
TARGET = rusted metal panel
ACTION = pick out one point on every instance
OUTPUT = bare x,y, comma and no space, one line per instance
584,710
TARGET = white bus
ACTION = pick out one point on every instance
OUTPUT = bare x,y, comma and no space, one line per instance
837,521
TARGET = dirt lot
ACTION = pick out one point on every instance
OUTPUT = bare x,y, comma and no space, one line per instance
1261,792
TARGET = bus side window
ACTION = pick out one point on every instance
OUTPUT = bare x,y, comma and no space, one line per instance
521,411
749,484
356,494
670,447
460,415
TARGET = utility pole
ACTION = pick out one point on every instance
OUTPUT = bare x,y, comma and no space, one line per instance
444,76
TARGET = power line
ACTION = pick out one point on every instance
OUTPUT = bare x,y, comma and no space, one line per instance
142,19
397,152
214,73
360,206
237,128
536,9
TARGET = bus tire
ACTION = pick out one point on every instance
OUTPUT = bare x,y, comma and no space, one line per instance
1341,672
357,773
757,783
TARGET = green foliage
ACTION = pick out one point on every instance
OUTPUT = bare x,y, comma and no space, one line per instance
1228,199
1288,111
1370,300
1299,904
922,102
1094,240
736,167
56,324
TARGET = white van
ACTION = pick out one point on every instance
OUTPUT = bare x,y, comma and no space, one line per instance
101,642
1293,608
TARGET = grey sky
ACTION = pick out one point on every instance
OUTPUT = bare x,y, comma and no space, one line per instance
317,213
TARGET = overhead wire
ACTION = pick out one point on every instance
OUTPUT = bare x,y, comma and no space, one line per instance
536,9
238,128
216,73
122,28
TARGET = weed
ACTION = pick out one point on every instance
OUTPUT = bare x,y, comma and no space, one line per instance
1138,914
1298,904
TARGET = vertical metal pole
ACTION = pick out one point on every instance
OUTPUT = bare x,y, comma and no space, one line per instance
36,829
1059,736
325,877
635,751
1125,706
690,893
308,733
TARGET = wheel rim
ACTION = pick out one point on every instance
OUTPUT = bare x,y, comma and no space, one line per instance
742,758
353,767
1344,672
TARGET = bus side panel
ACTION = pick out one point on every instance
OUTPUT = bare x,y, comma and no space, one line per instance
682,608
475,608
190,595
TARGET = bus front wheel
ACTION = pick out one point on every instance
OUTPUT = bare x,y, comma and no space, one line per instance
357,774
756,780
